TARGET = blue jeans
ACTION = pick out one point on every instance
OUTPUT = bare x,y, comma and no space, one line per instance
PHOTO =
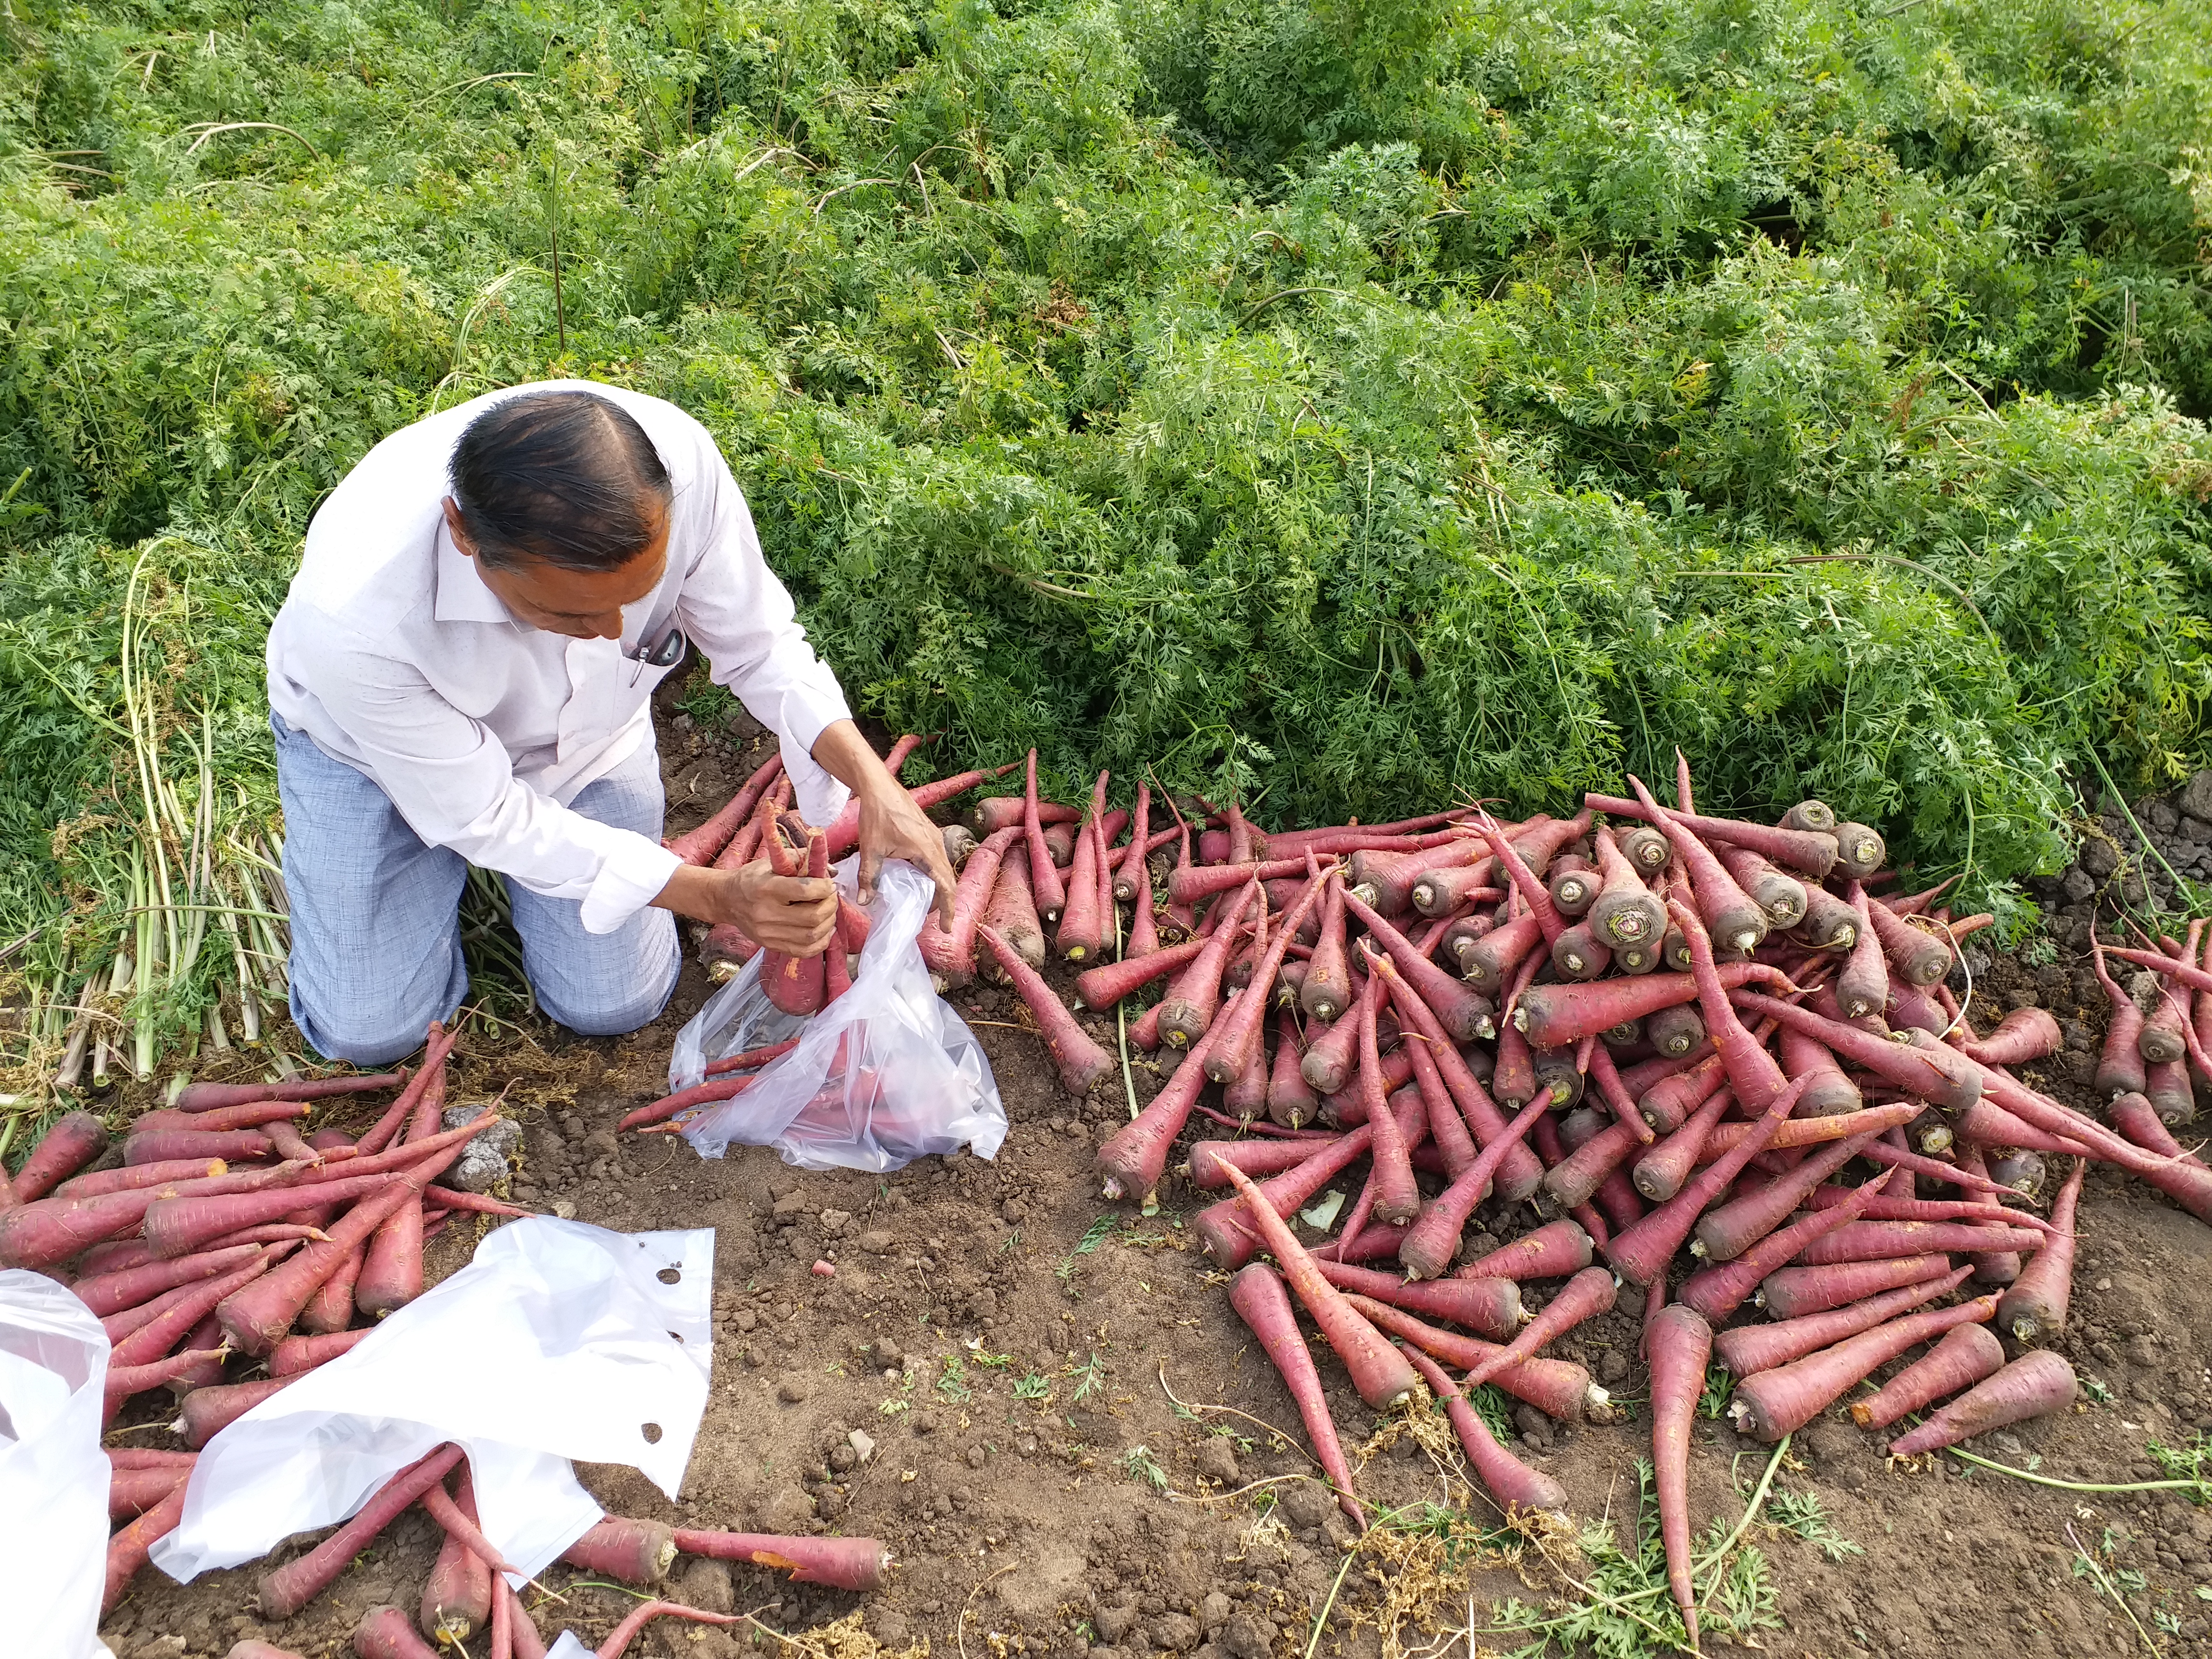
376,936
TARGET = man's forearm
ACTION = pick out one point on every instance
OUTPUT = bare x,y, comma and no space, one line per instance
844,754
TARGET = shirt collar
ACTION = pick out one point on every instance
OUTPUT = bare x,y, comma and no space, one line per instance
462,595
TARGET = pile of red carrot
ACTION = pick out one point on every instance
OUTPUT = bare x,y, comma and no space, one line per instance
222,1234
467,1591
1712,1055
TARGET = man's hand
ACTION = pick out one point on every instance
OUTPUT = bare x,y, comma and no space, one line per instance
795,914
891,826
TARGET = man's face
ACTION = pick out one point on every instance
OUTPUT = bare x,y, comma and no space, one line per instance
584,604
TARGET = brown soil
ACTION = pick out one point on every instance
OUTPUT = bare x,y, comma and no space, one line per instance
1016,1388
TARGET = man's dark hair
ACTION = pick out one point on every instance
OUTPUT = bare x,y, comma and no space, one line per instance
567,478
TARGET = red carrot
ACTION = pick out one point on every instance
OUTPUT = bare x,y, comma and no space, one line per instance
439,1505
1772,1403
385,1633
1719,1291
2023,1034
111,1293
1447,1129
1397,1200
297,1354
458,1598
1875,1241
1513,1484
124,1381
1918,957
1678,1343
1589,1293
1261,1300
1967,1354
1940,1075
203,1096
701,846
1725,1231
253,1114
1734,918
1795,1292
183,1309
1748,1350
72,1143
127,1178
1519,1174
619,1638
1378,1370
1433,1239
128,1549
2120,1063
1558,1388
1102,987
1489,1307
1051,896
1229,1243
635,1552
1551,1251
1752,1073
330,1309
1189,1005
1291,1099
1132,1160
1082,929
392,1271
205,1412
1075,1054
133,1492
996,812
1240,1045
169,1145
1816,1131
1458,1009
1640,1253
1813,852
852,1564
2131,1115
1556,1016
2035,1385
146,1458
438,1046
260,1316
2035,1306
1660,1173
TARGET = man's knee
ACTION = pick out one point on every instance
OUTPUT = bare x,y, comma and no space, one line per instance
374,1018
618,1001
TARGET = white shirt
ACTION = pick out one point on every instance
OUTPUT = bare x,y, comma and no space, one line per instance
393,656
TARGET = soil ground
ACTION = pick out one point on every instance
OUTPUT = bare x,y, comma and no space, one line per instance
1008,1341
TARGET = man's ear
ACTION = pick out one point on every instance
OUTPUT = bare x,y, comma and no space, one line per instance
453,528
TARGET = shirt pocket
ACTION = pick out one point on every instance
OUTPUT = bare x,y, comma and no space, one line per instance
605,692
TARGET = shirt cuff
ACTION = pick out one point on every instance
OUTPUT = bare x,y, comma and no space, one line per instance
818,796
631,878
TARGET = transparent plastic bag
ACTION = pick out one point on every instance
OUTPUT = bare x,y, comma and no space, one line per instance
885,1074
53,1475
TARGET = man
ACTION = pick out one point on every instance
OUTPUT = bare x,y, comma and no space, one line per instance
462,674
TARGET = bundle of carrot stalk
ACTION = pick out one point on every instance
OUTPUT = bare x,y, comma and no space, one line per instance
467,1590
1713,1053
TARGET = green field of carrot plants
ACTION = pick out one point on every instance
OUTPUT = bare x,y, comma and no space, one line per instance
1356,404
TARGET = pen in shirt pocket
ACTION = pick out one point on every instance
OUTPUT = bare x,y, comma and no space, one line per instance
665,651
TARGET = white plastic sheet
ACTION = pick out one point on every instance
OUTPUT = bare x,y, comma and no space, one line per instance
885,1074
559,1341
53,1475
